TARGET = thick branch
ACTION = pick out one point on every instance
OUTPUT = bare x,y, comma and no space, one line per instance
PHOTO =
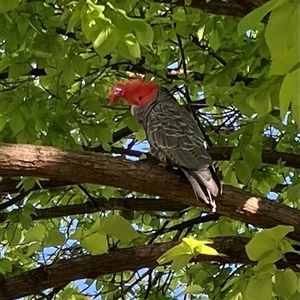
66,270
52,163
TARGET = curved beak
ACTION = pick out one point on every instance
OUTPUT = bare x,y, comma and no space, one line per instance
115,94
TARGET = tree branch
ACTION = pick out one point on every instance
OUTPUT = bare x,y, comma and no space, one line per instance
124,204
268,157
224,153
64,271
75,166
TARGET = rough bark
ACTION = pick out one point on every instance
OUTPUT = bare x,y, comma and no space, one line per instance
75,166
66,270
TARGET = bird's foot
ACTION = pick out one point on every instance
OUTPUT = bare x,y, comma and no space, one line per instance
164,165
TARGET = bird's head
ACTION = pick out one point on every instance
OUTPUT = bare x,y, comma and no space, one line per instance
135,92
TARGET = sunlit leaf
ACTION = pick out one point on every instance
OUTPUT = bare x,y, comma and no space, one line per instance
289,95
193,289
286,283
35,234
118,227
251,19
95,243
259,288
54,237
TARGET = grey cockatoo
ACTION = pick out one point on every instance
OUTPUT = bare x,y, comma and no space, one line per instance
172,133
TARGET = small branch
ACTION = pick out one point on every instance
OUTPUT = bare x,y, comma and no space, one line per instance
100,205
14,200
180,227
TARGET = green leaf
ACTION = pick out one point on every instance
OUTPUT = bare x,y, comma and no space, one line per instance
101,38
254,17
25,219
22,26
260,244
286,283
180,255
293,193
68,73
178,250
106,147
279,232
99,8
109,44
8,5
289,93
243,171
199,247
13,234
147,219
260,288
230,178
252,156
231,282
193,289
5,265
80,65
261,103
76,16
118,227
135,50
105,135
3,121
283,37
180,262
265,268
95,243
33,248
18,69
54,238
17,121
271,257
28,183
179,14
133,124
264,247
35,234
108,192
144,33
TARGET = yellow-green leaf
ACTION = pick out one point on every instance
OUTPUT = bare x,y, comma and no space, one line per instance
289,93
35,234
95,243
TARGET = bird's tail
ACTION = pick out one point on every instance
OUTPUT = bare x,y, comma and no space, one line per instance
206,185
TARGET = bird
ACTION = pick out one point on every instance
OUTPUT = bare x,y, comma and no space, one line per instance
173,134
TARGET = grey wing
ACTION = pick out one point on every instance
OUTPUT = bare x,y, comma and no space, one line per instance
173,130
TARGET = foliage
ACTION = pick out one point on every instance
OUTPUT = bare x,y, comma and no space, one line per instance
239,77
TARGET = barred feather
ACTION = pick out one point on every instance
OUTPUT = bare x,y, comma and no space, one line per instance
175,136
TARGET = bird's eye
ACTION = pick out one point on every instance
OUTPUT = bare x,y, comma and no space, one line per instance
140,98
